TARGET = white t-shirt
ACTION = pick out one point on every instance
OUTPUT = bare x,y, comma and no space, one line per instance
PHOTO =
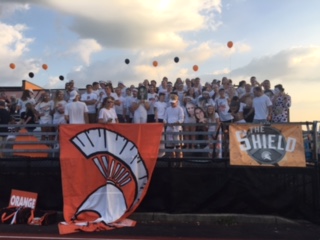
114,95
97,91
241,91
152,98
75,111
201,100
45,108
22,104
212,128
211,93
128,103
58,116
89,97
260,105
198,90
223,109
161,89
242,106
103,95
123,92
107,114
100,95
173,115
181,96
161,108
119,108
140,114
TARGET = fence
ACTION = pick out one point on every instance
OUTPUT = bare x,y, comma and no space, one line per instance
201,145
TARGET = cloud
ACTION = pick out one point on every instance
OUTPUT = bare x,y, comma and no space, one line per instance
148,30
106,70
12,41
207,50
85,48
52,82
7,8
140,66
13,46
222,72
296,64
241,47
137,24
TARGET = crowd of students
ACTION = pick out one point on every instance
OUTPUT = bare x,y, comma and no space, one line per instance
173,103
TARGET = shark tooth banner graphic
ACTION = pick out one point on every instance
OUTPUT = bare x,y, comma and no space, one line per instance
106,171
274,145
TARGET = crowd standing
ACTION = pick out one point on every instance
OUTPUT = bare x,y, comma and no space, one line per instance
169,102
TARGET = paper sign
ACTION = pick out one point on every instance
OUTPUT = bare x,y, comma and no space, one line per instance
22,198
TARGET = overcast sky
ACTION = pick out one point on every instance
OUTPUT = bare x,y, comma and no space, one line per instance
89,40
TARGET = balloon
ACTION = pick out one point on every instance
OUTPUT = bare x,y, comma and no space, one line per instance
45,66
195,68
61,77
12,66
155,63
127,61
31,75
176,59
230,44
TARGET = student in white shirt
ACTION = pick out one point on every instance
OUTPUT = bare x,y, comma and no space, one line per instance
45,110
76,112
262,106
107,114
174,116
90,99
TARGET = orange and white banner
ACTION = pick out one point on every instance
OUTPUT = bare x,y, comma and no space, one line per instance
106,171
274,145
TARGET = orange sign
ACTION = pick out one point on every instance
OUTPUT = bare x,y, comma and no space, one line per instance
272,145
22,198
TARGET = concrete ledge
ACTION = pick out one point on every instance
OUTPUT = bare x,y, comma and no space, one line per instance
224,219
227,219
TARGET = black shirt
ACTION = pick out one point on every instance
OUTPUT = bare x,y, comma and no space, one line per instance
4,119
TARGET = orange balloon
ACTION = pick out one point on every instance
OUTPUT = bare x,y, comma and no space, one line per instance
230,44
12,66
155,63
45,66
195,68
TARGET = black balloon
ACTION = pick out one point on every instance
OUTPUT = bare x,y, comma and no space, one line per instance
31,75
127,61
176,59
61,77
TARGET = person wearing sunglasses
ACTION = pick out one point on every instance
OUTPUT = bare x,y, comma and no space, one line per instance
107,114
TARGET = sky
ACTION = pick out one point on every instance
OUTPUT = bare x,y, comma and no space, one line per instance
89,40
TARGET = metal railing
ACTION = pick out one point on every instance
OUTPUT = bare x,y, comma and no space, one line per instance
199,145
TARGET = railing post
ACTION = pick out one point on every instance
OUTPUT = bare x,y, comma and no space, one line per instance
315,141
316,190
